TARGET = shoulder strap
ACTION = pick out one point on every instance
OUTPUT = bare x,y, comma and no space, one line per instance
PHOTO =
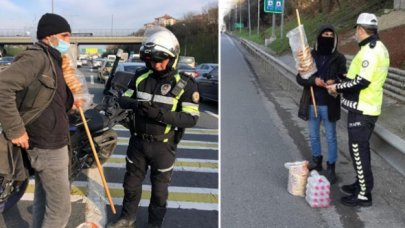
180,85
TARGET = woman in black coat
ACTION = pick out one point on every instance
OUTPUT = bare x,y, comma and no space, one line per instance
331,66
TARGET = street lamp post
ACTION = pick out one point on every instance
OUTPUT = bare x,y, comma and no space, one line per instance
112,24
258,17
240,18
250,33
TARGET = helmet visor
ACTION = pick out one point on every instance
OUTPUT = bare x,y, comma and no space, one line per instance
152,52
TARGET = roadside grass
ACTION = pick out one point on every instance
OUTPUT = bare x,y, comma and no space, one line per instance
343,20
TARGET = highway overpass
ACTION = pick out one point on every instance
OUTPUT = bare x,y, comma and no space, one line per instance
77,40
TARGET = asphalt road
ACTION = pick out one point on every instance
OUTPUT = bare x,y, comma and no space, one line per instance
193,197
254,148
260,131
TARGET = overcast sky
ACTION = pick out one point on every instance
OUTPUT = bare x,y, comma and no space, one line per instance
96,14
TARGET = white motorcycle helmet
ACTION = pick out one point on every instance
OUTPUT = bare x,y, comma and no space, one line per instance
159,44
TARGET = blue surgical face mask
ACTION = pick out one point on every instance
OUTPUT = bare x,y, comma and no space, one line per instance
62,47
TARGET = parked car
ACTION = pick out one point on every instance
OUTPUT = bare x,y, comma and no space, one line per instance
79,63
182,67
205,67
5,62
208,85
96,63
105,70
85,61
189,60
130,66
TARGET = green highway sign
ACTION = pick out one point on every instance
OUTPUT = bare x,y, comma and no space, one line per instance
274,6
238,25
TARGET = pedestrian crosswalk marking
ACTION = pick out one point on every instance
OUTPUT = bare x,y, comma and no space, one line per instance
199,131
196,163
198,197
185,144
176,168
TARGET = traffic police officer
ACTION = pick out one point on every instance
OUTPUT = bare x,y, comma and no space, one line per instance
362,97
164,103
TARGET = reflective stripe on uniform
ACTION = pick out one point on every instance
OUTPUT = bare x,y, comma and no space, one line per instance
128,93
191,108
165,170
143,96
371,64
141,78
161,99
164,100
174,107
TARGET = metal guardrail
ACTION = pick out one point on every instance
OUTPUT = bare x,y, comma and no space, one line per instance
385,143
394,85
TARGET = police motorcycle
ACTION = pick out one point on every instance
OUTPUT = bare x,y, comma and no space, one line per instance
101,119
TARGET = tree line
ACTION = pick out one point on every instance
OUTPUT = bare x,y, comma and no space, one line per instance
240,11
197,35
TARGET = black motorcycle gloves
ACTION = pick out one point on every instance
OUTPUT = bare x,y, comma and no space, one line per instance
128,103
151,111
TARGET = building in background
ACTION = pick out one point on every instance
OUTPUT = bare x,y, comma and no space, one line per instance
164,21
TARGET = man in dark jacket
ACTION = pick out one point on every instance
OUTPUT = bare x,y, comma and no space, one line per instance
331,65
35,99
164,102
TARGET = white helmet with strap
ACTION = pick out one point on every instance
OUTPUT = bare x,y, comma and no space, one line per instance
159,44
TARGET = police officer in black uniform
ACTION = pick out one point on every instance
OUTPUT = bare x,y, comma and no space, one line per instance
164,103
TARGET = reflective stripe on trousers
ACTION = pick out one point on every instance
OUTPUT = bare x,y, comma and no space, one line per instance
360,128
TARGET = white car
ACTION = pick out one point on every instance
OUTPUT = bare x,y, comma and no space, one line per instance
79,63
204,68
130,66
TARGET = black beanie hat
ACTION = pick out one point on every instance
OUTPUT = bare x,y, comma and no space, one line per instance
51,24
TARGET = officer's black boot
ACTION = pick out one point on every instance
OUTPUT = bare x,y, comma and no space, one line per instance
350,189
330,173
122,223
357,200
316,163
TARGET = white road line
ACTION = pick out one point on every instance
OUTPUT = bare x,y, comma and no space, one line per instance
230,41
121,164
184,144
182,147
199,131
126,139
111,185
120,156
176,168
212,114
177,205
143,203
96,197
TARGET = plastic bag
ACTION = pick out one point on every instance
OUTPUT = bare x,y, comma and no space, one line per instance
318,190
304,62
76,82
297,177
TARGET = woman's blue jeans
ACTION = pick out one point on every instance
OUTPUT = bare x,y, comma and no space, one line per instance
314,133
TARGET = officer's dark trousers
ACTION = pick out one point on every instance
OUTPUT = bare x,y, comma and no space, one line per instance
360,128
161,157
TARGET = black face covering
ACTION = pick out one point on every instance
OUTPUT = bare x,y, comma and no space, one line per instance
325,45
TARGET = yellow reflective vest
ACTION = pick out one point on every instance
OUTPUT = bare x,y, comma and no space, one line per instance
363,92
